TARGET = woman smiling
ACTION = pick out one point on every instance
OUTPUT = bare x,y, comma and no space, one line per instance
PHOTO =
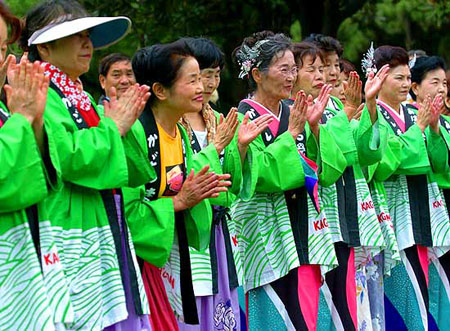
98,155
173,212
279,229
415,149
25,180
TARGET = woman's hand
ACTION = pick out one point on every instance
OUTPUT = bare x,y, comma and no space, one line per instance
424,115
436,109
126,110
316,109
371,89
4,69
375,82
352,92
225,130
248,131
26,91
298,115
203,185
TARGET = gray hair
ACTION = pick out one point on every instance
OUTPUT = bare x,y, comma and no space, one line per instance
259,51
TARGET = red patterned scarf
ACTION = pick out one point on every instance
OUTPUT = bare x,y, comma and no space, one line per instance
74,93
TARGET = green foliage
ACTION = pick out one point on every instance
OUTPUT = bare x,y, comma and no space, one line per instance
414,24
20,7
296,31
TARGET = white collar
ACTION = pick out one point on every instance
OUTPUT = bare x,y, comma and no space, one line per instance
269,111
400,115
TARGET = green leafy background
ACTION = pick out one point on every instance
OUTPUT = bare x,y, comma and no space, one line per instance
413,24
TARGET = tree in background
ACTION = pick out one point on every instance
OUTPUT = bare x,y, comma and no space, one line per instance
413,24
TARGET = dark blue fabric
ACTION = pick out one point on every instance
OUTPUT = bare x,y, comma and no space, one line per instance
432,325
393,319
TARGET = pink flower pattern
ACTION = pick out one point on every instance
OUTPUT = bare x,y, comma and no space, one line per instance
71,90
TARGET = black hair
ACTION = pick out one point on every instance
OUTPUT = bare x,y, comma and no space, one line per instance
326,43
303,49
106,63
160,63
45,13
207,53
424,65
346,66
392,55
277,44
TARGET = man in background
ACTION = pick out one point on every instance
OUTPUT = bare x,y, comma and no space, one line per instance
115,70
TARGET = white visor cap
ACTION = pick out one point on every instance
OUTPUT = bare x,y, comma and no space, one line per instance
103,31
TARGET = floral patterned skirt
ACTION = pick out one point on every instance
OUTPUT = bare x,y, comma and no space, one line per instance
220,311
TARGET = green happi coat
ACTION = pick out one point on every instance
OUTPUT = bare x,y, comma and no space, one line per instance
152,221
405,177
439,291
202,269
443,178
413,154
363,144
31,276
84,222
267,249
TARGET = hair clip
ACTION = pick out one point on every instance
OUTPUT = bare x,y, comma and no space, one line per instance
368,61
247,57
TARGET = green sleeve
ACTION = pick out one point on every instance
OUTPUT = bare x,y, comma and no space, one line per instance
389,163
249,175
339,128
437,151
273,161
22,178
312,145
370,138
198,219
446,136
139,169
404,155
209,156
152,225
443,179
100,108
232,165
332,161
94,157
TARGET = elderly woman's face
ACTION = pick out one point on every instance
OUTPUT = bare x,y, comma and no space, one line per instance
434,83
279,79
3,40
310,77
71,54
211,81
186,93
396,86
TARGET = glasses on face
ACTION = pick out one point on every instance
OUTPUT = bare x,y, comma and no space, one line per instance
286,71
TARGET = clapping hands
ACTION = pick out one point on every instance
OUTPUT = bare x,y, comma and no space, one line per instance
26,91
126,110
